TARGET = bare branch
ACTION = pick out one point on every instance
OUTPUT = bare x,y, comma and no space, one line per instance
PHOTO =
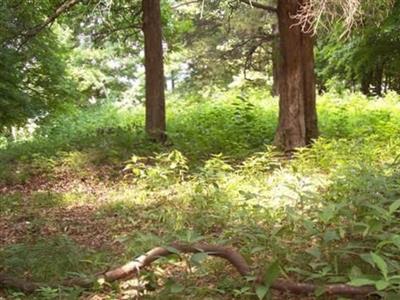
311,12
185,4
268,8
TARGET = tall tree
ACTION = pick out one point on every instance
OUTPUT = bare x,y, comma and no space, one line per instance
297,125
154,70
297,19
297,106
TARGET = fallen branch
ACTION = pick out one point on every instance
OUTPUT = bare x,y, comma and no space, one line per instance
134,267
8,281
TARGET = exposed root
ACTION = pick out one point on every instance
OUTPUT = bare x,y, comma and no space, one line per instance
134,267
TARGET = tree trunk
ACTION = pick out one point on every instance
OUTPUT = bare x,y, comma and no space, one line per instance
297,102
386,83
378,80
275,61
365,83
172,80
154,70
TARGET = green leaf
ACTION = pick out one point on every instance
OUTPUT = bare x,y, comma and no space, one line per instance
272,272
319,291
361,282
261,291
257,249
367,258
396,240
380,263
172,250
391,296
176,288
316,252
355,271
394,206
381,285
309,226
327,214
197,258
331,235
250,278
394,279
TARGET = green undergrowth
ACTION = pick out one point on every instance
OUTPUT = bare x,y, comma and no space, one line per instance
50,260
331,214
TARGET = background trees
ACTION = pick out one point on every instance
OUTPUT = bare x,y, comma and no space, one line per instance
208,45
365,59
33,77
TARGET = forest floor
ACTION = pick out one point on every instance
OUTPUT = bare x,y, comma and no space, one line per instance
76,202
39,214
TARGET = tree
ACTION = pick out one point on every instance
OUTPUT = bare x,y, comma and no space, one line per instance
226,42
122,22
119,21
33,77
297,21
366,59
297,125
154,70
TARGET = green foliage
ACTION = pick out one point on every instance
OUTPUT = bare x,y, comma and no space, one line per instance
328,215
368,58
163,169
224,42
33,78
50,259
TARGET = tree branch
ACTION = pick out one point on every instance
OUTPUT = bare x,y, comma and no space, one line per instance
185,3
65,6
134,267
268,8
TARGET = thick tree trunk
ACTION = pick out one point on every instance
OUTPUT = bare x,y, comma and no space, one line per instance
297,109
154,70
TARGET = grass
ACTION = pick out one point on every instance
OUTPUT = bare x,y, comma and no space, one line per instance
329,215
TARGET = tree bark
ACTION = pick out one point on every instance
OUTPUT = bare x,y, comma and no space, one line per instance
172,80
275,62
309,87
365,83
154,70
378,80
297,102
